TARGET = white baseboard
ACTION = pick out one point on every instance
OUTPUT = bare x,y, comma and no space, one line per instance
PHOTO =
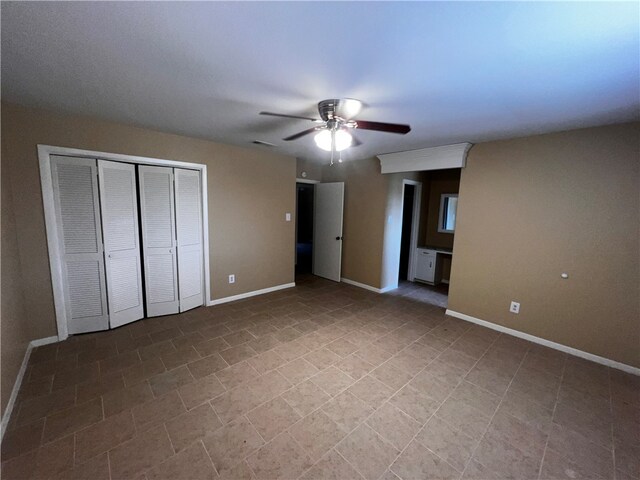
445,281
547,343
241,296
367,287
18,383
44,341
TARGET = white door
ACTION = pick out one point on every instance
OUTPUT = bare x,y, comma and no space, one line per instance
119,208
75,190
189,233
158,240
327,229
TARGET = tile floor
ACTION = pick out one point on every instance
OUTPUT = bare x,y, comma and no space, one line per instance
320,381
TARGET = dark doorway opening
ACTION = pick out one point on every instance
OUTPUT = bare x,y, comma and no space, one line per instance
304,228
405,242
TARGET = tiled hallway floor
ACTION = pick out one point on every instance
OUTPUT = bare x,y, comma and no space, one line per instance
319,381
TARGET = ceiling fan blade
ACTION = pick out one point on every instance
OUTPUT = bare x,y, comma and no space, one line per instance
288,116
383,127
300,134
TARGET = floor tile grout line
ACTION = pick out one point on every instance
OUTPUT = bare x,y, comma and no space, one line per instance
613,437
109,464
553,412
209,457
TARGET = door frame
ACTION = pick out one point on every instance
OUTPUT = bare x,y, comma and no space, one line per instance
415,224
51,222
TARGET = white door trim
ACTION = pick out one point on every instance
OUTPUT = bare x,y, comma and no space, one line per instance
415,223
55,261
306,180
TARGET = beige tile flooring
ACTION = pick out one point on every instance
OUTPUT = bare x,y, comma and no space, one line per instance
319,381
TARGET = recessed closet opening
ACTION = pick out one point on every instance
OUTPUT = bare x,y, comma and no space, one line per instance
127,237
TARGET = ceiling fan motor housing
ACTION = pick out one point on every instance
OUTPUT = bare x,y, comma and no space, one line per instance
327,108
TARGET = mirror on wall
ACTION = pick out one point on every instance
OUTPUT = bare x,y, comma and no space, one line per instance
448,209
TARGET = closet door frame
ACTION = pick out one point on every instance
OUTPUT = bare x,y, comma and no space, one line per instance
53,229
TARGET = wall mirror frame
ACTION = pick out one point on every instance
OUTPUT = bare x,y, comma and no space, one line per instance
448,213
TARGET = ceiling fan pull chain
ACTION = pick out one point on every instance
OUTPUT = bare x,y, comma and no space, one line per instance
333,144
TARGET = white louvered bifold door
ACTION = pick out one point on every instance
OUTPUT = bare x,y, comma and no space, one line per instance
119,208
189,234
75,190
158,239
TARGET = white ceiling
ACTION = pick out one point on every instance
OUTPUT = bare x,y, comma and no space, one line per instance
454,71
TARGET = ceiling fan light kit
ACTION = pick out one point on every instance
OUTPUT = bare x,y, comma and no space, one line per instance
337,140
336,119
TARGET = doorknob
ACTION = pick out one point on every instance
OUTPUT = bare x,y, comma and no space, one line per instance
338,238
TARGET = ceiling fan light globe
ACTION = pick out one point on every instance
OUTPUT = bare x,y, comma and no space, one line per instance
343,140
350,107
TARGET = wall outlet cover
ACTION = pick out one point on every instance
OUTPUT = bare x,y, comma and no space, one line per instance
232,279
515,307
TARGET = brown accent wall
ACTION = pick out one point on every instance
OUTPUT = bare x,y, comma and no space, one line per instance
249,193
440,182
532,208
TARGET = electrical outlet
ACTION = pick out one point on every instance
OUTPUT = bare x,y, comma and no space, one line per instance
287,217
515,307
232,279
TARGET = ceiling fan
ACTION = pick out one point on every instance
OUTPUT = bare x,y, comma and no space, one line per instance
337,118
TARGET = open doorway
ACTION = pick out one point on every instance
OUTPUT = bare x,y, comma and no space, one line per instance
304,227
405,241
408,235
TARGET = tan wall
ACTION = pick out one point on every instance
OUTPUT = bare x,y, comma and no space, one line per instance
532,208
440,182
14,325
311,168
365,203
249,193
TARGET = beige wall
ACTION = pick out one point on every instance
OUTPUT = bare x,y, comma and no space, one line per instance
440,182
532,208
14,325
249,193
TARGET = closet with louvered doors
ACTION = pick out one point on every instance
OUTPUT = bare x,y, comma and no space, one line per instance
130,241
171,207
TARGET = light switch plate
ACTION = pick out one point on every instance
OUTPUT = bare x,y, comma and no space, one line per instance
287,217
